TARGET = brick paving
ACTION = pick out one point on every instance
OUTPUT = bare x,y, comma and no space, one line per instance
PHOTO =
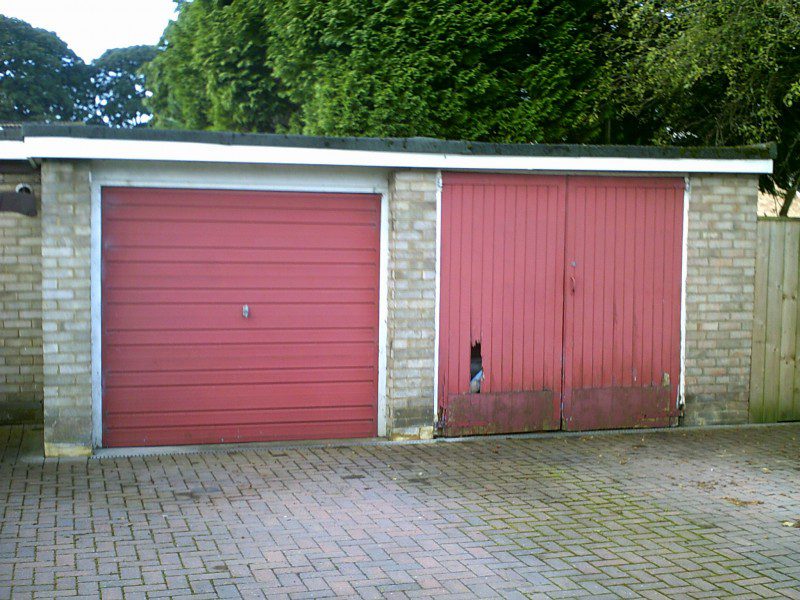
677,514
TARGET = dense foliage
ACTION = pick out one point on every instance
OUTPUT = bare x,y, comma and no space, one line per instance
501,70
119,87
685,72
713,73
43,80
212,71
40,78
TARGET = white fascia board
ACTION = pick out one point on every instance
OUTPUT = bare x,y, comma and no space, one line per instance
13,150
86,148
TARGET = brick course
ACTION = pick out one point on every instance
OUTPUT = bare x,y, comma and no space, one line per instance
20,305
412,297
66,304
719,297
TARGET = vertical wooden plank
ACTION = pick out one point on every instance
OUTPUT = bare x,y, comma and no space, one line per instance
453,379
546,283
531,307
647,372
487,290
627,289
788,329
593,286
476,264
568,325
557,242
794,412
586,268
774,312
507,318
518,285
495,359
464,330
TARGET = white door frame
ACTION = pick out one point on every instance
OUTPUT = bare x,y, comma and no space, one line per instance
231,177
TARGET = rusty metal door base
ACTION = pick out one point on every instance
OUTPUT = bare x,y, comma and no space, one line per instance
619,408
505,412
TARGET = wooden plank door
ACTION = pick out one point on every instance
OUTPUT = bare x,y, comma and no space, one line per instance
622,302
502,274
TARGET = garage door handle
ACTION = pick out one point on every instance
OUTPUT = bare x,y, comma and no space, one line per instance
572,283
245,311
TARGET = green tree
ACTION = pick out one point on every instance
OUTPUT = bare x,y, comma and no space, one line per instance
712,73
119,87
501,70
41,79
212,70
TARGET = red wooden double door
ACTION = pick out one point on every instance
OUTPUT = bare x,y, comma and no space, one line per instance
566,293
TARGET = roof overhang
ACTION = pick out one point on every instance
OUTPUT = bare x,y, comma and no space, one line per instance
38,142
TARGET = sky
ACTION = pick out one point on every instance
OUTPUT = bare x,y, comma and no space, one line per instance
90,27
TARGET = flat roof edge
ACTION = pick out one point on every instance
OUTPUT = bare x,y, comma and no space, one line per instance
402,145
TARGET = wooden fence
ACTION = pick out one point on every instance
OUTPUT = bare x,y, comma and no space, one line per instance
775,372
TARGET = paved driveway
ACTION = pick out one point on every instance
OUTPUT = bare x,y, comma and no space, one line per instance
684,513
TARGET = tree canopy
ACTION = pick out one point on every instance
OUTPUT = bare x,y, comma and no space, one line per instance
43,80
503,70
119,87
684,72
212,70
713,73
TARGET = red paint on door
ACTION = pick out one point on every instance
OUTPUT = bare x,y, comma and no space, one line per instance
622,302
502,267
572,286
182,365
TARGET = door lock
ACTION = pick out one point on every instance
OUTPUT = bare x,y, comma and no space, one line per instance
245,311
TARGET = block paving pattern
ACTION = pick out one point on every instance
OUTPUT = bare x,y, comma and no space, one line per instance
670,514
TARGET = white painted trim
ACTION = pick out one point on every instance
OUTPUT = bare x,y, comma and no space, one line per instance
96,286
687,193
13,150
142,150
437,295
383,313
246,177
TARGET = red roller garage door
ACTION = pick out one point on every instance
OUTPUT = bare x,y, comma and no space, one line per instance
232,316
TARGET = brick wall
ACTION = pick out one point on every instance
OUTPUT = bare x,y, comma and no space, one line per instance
412,290
66,308
20,304
719,297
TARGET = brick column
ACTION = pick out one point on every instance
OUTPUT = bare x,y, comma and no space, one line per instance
719,297
66,307
412,297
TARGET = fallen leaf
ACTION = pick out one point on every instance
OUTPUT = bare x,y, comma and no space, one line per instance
738,502
766,470
791,524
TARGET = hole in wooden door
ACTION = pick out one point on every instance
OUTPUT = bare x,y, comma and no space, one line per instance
475,369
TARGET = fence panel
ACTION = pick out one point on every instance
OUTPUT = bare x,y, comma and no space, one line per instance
775,376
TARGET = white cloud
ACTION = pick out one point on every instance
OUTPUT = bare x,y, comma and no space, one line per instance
90,27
